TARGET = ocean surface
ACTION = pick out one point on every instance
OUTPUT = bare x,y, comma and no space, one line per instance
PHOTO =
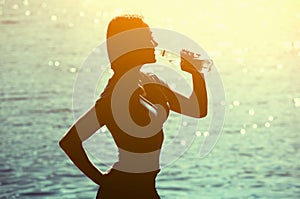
44,45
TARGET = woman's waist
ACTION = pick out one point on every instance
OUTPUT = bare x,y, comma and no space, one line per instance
122,174
137,163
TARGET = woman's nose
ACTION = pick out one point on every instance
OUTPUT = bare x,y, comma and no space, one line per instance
154,42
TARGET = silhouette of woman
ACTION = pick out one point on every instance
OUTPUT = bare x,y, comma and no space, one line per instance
133,106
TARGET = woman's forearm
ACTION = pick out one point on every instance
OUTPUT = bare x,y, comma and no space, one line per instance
199,91
72,146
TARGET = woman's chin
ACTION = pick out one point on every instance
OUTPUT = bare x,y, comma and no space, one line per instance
152,60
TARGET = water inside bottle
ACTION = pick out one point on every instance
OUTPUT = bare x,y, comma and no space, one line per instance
175,59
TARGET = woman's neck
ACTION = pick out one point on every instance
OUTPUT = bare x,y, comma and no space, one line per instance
133,72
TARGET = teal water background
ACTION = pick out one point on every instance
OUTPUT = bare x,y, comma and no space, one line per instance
44,43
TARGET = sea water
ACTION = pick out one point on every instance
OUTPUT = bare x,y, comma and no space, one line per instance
42,47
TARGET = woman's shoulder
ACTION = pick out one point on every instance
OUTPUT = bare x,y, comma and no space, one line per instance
152,78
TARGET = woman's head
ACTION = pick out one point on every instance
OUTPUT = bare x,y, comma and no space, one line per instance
129,43
123,23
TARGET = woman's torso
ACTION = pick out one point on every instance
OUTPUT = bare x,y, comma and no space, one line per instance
137,154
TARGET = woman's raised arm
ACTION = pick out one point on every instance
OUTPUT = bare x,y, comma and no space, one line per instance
196,104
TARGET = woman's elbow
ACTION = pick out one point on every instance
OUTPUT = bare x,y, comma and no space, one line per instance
66,142
63,143
203,112
70,140
198,115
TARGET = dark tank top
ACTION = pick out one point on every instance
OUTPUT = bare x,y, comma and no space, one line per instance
142,103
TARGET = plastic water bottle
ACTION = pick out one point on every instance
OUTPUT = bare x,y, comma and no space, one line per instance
203,65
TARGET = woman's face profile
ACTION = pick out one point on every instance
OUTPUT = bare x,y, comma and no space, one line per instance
148,49
140,46
131,47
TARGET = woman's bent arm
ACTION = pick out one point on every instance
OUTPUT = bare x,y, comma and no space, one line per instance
71,143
